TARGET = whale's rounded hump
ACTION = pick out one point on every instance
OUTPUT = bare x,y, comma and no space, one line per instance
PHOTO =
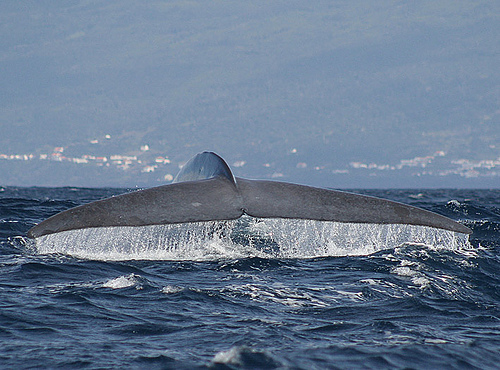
205,165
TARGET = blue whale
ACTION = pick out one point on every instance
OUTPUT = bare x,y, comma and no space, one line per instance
206,190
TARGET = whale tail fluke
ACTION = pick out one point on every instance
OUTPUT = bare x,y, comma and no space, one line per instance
206,190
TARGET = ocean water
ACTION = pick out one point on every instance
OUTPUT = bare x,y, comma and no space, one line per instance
251,293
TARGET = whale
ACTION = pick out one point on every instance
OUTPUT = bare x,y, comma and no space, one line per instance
205,189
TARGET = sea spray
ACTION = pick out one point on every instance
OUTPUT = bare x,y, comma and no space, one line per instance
245,237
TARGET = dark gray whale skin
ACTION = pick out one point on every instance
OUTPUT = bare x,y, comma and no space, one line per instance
206,190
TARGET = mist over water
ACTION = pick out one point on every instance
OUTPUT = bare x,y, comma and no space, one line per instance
245,237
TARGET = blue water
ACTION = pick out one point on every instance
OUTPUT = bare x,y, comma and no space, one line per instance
257,295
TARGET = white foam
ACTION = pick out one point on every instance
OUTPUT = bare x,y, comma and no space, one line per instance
245,237
122,282
230,357
171,289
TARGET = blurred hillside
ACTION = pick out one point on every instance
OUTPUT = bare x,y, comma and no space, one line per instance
290,90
